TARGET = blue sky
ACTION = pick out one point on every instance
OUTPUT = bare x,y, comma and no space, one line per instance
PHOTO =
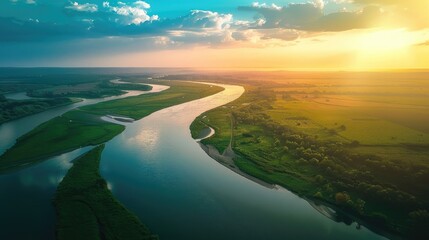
165,8
73,32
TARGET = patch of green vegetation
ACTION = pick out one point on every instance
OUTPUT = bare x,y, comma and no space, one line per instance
24,81
222,127
56,91
283,140
62,134
143,105
86,209
79,128
14,109
87,90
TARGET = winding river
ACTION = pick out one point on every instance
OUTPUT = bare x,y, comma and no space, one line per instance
161,174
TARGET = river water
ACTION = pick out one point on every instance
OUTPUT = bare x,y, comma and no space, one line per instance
161,174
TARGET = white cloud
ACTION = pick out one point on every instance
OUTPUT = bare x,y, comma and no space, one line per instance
142,4
208,19
264,5
135,13
319,3
86,7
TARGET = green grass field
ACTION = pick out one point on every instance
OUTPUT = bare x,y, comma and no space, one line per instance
323,137
143,105
86,209
84,127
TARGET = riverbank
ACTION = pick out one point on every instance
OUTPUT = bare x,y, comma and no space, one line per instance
227,160
86,209
278,154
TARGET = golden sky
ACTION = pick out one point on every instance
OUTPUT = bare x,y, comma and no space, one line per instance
300,34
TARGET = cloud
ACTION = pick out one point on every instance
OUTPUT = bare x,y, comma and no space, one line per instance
86,7
272,24
33,30
264,5
135,13
310,17
121,20
258,36
200,19
142,4
30,2
426,43
319,3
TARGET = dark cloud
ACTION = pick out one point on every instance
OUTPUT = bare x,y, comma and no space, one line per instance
411,13
29,30
104,24
292,16
310,17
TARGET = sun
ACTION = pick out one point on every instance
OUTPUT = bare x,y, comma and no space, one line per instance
387,40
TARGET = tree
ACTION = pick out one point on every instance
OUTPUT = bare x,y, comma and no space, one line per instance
342,198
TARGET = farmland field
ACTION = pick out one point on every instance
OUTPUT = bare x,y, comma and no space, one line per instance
333,137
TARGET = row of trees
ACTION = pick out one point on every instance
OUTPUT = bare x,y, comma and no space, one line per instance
12,109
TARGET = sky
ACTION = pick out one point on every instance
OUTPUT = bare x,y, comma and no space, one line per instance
240,34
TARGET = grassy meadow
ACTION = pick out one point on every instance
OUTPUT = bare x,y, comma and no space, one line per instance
143,105
358,141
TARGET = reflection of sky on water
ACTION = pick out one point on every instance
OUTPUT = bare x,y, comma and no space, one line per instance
147,139
48,174
28,201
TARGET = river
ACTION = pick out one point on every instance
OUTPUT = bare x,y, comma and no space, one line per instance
161,174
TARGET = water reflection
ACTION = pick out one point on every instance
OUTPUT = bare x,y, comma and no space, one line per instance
18,96
26,199
147,139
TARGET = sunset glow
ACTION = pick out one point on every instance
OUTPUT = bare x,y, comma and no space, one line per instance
359,34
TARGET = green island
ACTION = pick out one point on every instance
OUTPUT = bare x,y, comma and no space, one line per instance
70,131
55,91
317,144
83,127
86,209
95,89
14,109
